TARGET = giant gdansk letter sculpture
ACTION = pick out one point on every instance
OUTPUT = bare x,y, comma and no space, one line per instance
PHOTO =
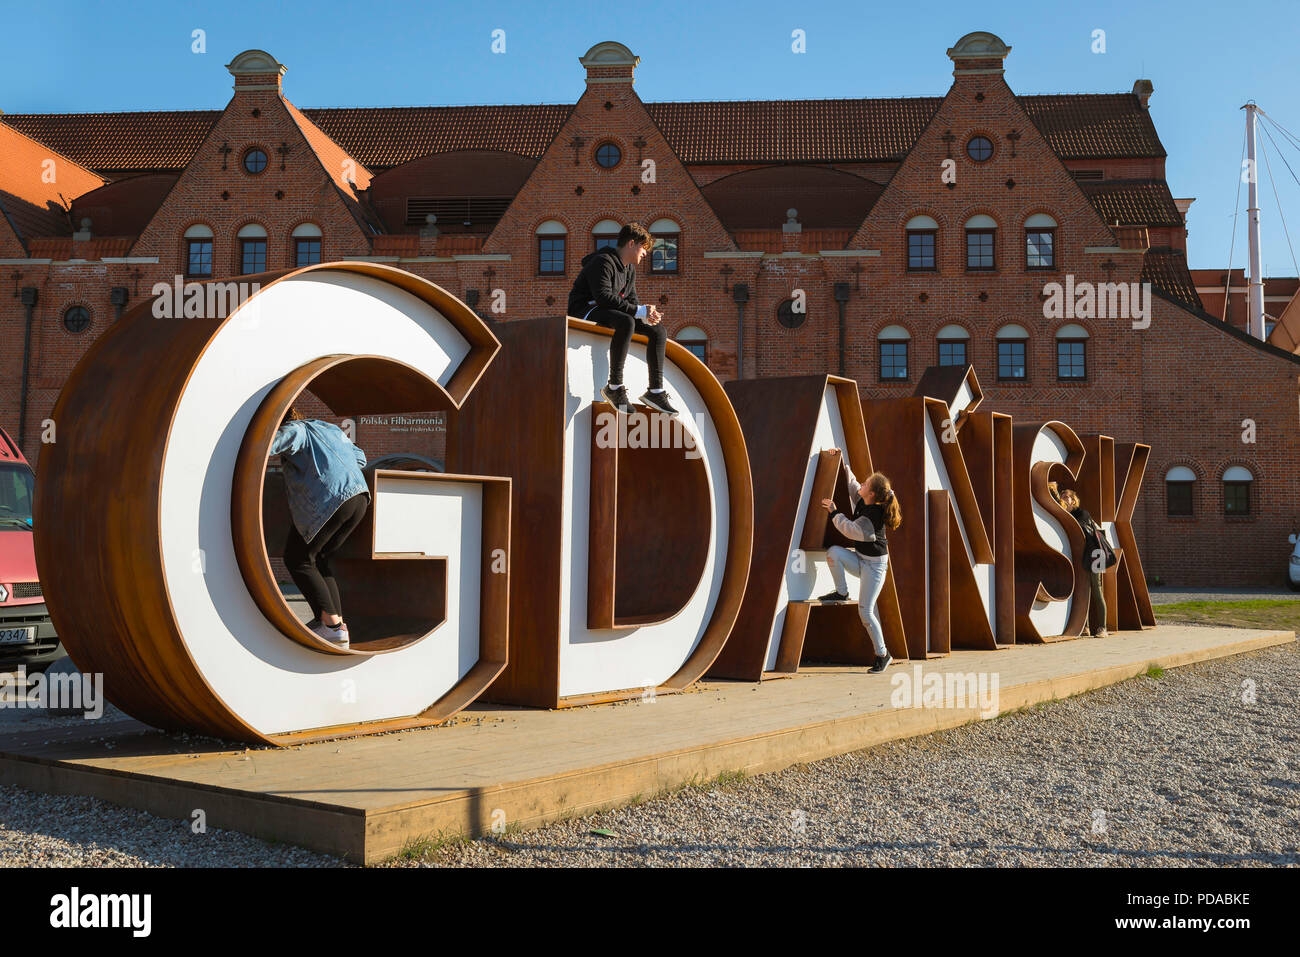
569,557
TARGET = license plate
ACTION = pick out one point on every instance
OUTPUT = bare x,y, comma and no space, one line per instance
17,636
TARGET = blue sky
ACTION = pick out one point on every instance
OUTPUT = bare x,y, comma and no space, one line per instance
1204,58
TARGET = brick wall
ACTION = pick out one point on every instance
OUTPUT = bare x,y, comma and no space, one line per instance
1181,384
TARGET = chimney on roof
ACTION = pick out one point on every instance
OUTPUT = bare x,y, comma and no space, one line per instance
256,70
609,62
978,54
1143,89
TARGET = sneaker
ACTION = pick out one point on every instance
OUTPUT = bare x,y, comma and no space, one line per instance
617,397
658,401
881,663
833,596
1101,633
338,637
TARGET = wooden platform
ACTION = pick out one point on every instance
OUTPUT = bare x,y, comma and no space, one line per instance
367,798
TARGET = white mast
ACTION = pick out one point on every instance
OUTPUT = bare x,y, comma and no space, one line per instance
1255,291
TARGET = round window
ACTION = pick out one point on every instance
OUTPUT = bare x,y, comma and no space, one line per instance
788,317
76,319
979,148
608,155
254,161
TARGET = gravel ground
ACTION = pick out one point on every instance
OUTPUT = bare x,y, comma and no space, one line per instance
55,830
1174,771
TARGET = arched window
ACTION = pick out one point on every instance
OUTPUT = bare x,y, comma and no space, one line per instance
550,248
1072,352
1013,353
981,235
605,233
921,233
252,249
893,342
696,340
953,349
667,246
1180,489
306,244
198,251
1237,482
1040,242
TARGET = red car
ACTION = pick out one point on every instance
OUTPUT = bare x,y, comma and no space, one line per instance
26,634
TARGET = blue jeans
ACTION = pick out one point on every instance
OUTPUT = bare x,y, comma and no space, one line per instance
871,570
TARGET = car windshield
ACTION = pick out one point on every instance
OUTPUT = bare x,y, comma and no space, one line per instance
16,486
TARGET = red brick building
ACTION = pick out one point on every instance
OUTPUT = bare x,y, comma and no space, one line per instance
1223,294
872,237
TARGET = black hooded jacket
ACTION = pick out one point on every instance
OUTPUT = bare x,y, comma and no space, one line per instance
606,282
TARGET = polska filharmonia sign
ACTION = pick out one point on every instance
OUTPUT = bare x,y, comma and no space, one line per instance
550,566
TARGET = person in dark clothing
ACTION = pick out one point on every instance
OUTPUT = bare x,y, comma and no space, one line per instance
875,512
309,567
1092,552
605,293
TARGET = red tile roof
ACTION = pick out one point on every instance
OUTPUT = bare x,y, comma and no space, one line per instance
774,131
1078,126
1134,202
1166,270
382,137
112,142
349,176
1094,125
33,204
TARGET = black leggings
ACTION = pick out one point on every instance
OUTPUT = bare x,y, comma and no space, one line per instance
309,562
623,326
